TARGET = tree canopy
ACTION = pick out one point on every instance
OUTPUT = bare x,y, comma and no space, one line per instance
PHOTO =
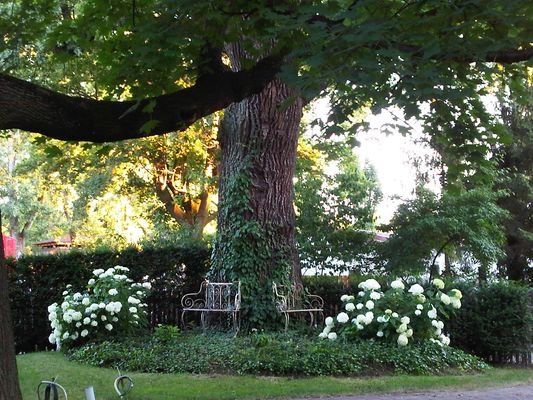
165,59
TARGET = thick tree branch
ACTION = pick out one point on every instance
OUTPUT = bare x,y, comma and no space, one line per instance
30,107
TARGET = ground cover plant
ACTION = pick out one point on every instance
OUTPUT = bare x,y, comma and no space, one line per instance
277,354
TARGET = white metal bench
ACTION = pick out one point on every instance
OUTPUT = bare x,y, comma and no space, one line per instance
214,298
293,300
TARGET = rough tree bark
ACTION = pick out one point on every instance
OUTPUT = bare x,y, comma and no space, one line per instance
256,223
9,386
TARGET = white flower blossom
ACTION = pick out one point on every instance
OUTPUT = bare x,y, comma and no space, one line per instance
369,284
397,284
329,321
369,304
402,328
405,320
438,283
52,338
379,334
432,314
350,306
456,303
108,327
84,333
343,318
98,272
416,289
332,336
147,285
132,310
375,296
113,292
456,293
402,340
86,301
445,299
359,306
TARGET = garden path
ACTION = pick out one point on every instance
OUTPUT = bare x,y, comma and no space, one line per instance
518,392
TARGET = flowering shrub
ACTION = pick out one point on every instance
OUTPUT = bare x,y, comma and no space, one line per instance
112,304
398,314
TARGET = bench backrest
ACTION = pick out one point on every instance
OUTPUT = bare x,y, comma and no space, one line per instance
223,296
288,297
295,297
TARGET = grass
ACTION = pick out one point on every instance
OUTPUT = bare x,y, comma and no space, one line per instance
75,377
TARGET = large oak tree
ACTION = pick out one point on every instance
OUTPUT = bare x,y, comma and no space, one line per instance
263,60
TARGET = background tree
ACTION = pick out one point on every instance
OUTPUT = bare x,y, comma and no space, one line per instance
24,192
515,161
335,211
429,226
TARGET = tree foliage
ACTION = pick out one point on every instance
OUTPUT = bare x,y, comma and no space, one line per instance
335,210
452,223
515,161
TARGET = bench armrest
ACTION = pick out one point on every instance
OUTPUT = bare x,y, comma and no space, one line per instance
315,301
195,300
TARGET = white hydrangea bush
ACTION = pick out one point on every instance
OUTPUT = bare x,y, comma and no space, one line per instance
402,313
112,305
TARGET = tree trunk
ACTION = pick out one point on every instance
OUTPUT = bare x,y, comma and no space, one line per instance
256,222
9,387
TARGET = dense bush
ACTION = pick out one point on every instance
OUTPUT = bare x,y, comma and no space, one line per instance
38,281
112,306
274,354
495,321
400,314
331,288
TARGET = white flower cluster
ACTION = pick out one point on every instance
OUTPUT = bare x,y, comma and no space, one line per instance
395,314
112,302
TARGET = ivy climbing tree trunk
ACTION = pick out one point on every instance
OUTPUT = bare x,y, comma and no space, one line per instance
9,386
256,223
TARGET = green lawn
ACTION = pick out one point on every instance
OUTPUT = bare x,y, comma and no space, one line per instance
75,377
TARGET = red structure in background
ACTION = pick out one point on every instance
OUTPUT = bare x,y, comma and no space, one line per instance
10,246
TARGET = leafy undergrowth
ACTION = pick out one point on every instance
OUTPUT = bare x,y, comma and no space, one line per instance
276,355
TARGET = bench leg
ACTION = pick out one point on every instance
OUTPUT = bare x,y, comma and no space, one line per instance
286,321
312,315
236,322
183,319
202,319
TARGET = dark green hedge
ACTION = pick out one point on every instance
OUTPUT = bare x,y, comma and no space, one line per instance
38,281
494,321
